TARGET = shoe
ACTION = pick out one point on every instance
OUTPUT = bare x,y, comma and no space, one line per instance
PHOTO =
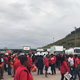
42,73
46,76
2,78
71,79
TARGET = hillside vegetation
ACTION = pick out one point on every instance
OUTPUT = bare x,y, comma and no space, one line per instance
68,41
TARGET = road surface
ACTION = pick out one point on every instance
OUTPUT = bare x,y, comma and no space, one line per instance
38,77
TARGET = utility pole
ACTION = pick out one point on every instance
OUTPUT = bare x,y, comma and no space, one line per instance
53,40
75,36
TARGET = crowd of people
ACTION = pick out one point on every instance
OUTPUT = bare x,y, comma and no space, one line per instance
19,66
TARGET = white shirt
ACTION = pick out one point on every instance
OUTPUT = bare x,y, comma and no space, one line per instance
71,61
2,60
44,56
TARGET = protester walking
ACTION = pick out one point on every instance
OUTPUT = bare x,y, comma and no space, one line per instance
40,65
63,68
71,65
46,65
59,60
52,63
33,59
76,72
30,62
6,62
9,67
16,64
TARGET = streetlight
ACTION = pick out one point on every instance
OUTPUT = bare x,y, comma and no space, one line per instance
75,35
53,40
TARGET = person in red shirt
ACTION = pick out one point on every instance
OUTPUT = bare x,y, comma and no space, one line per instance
53,62
15,59
63,68
30,62
54,66
6,62
16,64
76,68
46,65
22,72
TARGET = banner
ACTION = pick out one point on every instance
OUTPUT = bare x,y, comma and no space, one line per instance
67,76
2,65
33,68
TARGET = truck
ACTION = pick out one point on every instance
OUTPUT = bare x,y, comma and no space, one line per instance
73,51
26,49
57,49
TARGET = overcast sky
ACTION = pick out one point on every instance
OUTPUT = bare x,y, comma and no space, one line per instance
36,22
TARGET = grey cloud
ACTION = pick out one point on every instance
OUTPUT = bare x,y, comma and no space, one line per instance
34,24
14,12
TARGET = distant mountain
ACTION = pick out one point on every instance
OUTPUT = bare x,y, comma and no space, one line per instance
68,41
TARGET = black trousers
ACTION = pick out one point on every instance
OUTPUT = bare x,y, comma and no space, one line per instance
53,68
62,77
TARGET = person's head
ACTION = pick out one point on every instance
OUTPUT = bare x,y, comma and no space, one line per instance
51,55
71,55
24,61
33,54
12,57
47,56
30,54
76,56
48,52
62,59
9,54
40,55
59,55
6,55
25,54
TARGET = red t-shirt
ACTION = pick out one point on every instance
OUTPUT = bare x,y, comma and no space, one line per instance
53,60
64,67
16,64
22,74
6,60
46,62
30,62
76,62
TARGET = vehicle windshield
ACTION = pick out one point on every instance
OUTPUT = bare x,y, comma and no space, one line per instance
77,50
25,51
59,52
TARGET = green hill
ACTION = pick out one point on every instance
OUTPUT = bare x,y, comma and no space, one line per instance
68,41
